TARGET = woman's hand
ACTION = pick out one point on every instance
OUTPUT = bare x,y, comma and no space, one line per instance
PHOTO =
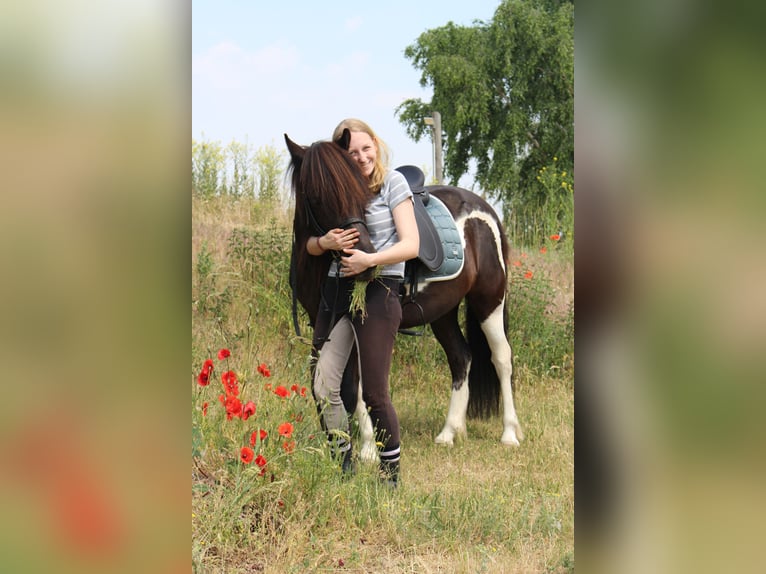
355,262
339,239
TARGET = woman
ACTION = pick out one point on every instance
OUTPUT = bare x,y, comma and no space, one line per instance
390,219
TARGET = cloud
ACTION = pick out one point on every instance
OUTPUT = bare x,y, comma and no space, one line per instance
354,23
227,66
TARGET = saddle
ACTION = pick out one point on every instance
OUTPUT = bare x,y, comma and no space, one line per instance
431,252
440,256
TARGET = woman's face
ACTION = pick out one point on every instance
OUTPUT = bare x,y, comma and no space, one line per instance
364,151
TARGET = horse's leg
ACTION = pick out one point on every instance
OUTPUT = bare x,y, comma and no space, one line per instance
447,331
502,357
351,392
368,452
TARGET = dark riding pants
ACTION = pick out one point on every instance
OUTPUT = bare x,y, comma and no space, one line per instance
374,336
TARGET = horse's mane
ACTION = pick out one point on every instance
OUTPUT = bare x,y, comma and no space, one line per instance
328,180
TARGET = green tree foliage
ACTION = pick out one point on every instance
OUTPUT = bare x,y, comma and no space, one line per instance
505,90
242,180
236,171
207,168
269,164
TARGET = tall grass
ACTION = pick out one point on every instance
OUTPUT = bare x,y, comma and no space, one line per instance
475,507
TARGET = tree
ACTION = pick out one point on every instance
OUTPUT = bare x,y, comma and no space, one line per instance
207,168
505,90
242,182
268,163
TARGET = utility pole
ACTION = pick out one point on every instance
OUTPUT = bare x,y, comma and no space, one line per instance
435,121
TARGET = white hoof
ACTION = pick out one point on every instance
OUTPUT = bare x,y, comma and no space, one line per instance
510,441
445,438
512,436
368,453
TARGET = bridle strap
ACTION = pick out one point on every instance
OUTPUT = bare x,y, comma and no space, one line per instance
293,286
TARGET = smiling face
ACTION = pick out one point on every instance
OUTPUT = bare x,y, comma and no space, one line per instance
364,151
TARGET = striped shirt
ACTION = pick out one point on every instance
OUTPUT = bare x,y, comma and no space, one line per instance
380,220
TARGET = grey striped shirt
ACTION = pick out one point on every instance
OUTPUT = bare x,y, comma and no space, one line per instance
380,219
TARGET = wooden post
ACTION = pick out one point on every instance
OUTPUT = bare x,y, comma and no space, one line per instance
437,132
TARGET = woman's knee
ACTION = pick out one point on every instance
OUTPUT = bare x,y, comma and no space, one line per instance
322,391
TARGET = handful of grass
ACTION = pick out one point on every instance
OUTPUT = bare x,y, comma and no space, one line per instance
358,303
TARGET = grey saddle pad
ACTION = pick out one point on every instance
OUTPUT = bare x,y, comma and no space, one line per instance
451,243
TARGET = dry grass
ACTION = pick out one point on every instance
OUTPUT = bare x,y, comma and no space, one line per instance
474,507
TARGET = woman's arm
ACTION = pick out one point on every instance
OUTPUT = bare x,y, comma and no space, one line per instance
405,249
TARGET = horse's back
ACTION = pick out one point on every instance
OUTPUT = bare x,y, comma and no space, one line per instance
471,209
461,201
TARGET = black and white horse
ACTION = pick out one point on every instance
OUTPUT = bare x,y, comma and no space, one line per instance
330,192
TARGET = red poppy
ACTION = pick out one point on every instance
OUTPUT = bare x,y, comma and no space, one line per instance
528,275
261,462
203,379
223,354
294,388
288,446
303,391
233,407
229,380
246,454
267,387
282,392
517,263
248,410
254,436
264,370
543,250
204,409
286,429
556,237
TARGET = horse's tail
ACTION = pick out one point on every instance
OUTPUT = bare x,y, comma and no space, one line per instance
483,383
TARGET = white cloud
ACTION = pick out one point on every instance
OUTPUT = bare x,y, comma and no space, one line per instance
354,23
227,66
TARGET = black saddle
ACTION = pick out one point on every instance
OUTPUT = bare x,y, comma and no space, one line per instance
431,252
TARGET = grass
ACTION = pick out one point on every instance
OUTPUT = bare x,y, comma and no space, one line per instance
474,507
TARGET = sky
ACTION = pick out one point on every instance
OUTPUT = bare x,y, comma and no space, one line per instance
261,69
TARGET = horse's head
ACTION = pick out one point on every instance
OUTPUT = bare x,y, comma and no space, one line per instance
330,191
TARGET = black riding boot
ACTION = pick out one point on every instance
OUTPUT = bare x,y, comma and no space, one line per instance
347,465
342,452
389,473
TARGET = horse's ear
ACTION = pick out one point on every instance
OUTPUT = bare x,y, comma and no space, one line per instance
345,139
296,151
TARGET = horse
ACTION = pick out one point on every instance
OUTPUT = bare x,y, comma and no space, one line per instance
329,191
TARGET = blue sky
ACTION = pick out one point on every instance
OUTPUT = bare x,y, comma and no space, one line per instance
264,68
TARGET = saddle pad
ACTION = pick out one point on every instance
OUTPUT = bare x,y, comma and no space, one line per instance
451,240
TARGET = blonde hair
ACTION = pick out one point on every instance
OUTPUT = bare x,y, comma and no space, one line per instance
381,158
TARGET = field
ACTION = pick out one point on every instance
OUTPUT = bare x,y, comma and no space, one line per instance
475,507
